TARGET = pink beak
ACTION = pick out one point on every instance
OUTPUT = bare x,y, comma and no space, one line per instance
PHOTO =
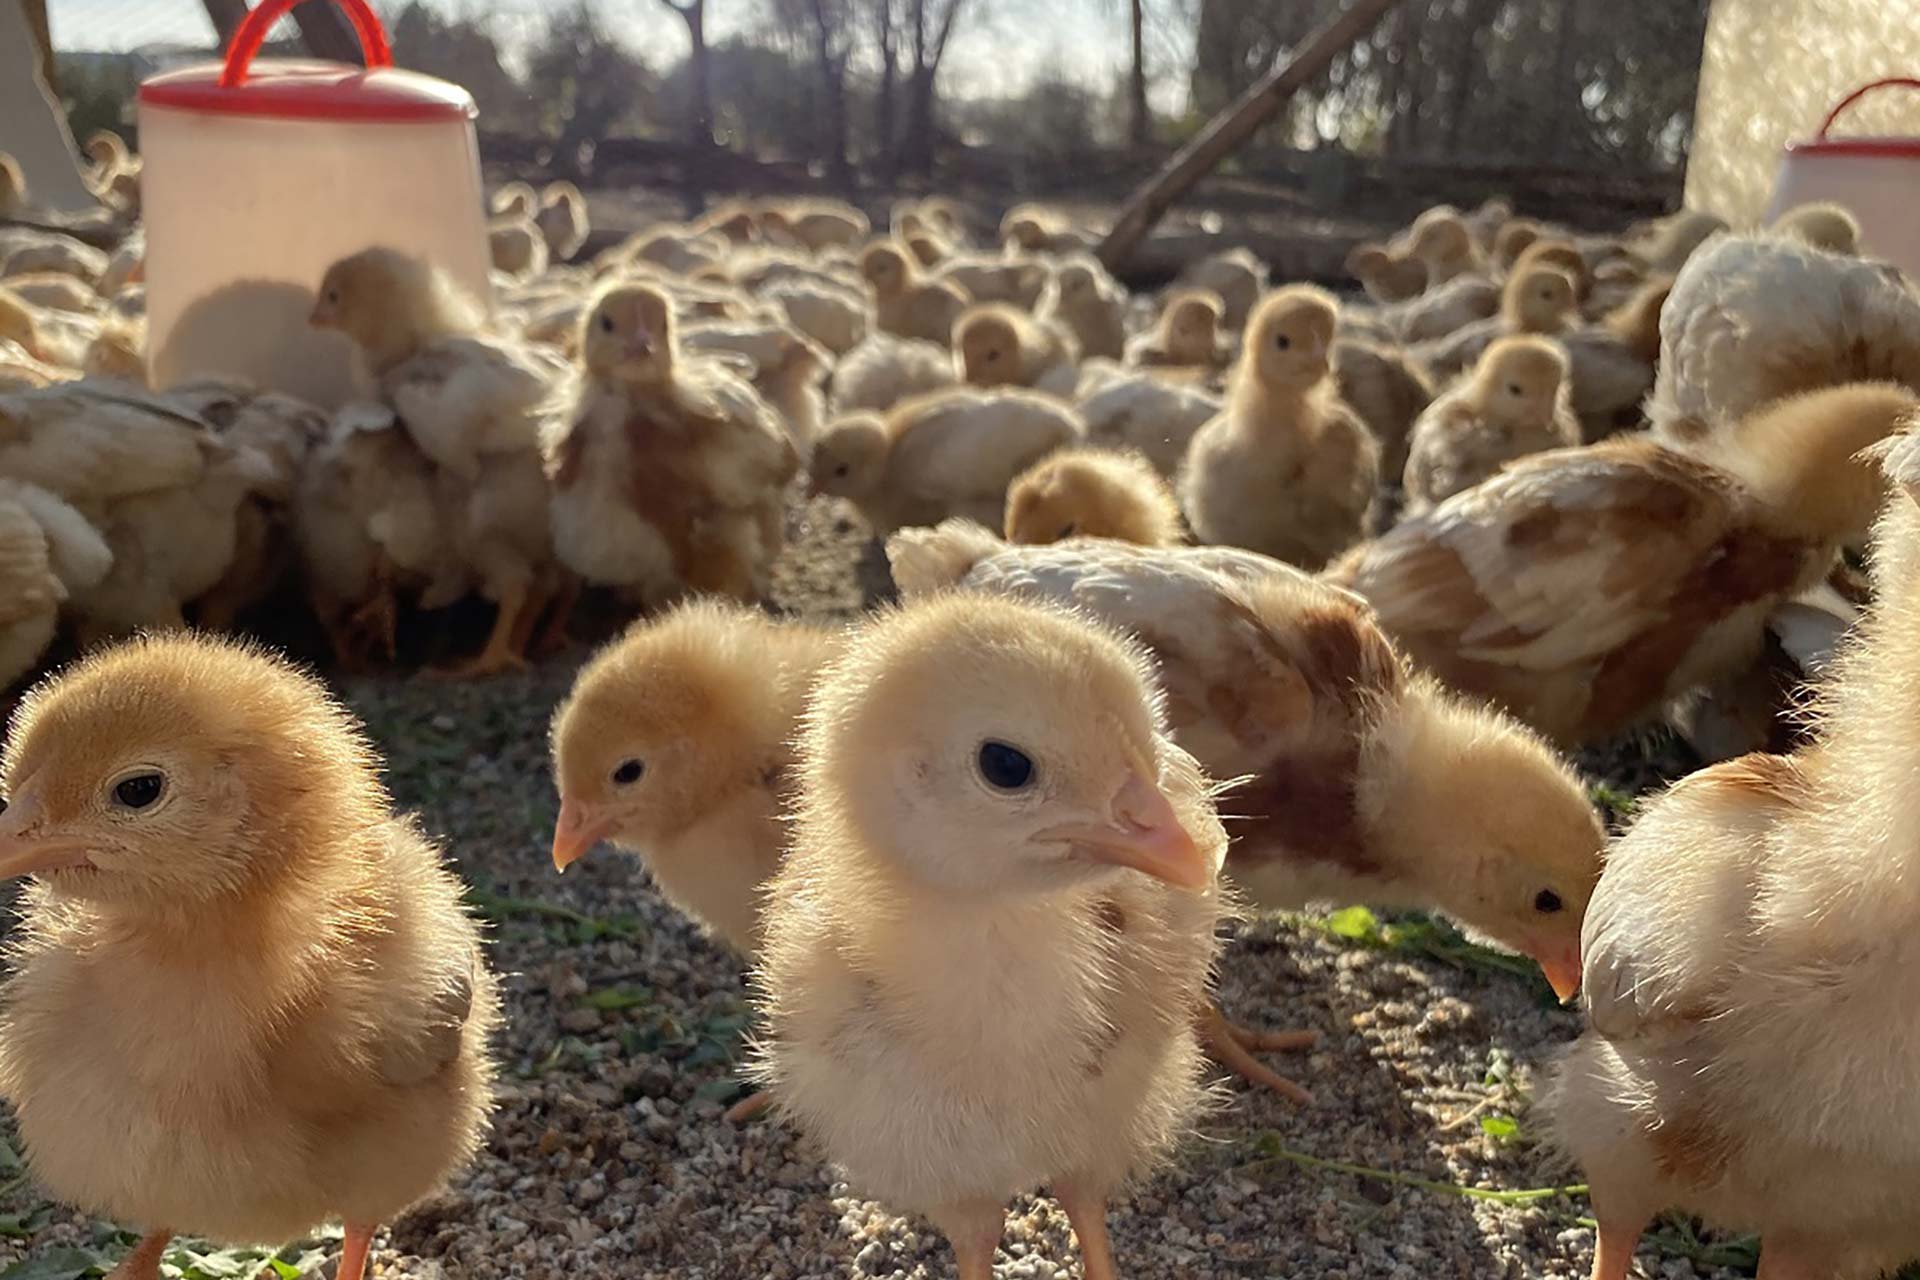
25,855
577,831
1145,835
1563,972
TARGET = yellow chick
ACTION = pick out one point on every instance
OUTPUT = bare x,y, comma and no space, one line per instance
1749,960
676,744
1187,335
1387,276
1090,305
1824,225
1288,469
1093,493
48,551
1444,245
1636,322
211,847
906,303
998,345
1235,276
1516,402
562,220
989,803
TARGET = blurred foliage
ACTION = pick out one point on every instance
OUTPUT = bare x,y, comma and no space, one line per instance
585,84
97,93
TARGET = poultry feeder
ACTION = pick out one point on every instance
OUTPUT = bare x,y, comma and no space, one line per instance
260,175
1877,179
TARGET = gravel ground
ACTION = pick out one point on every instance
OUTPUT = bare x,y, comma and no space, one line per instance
609,1155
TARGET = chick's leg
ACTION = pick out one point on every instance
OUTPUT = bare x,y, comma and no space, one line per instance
498,654
144,1262
1232,1048
1087,1211
354,1250
1616,1240
974,1229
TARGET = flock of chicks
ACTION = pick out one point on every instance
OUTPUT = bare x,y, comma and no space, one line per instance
1346,576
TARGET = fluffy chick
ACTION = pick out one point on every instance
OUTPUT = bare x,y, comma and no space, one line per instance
940,455
1153,416
1361,781
47,552
180,789
1187,334
1288,469
676,744
997,345
989,802
1089,304
1388,276
1535,299
562,220
1586,589
1093,493
1388,388
1443,243
1516,402
1824,225
906,303
1235,276
1636,321
1714,941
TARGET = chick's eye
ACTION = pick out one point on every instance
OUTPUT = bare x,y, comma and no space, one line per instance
1547,902
139,791
333,295
1005,768
840,470
606,324
628,773
1514,389
1283,342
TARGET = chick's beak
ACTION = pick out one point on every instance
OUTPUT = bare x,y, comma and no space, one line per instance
580,828
1562,968
322,316
1144,834
26,855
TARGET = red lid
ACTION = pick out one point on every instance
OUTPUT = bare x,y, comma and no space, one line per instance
300,89
1823,145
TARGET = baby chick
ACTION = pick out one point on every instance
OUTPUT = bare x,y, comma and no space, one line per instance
1444,245
989,803
1090,305
48,551
1387,276
1824,225
906,303
676,743
1516,402
945,454
1388,388
1093,493
997,345
1586,589
1748,956
1235,276
1288,469
1186,336
1535,299
664,469
562,220
212,848
1150,415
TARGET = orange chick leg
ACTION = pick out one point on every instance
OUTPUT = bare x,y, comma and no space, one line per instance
354,1250
144,1262
749,1107
498,654
538,597
557,634
974,1230
1232,1047
1613,1248
1087,1212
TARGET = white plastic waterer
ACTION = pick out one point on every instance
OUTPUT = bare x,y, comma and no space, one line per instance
257,177
1875,179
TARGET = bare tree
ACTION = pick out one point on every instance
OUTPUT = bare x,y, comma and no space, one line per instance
832,32
886,94
931,24
1139,114
700,81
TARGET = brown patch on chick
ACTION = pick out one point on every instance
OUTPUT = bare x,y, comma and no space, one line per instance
1092,493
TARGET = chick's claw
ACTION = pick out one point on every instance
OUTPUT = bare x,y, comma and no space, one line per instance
1232,1047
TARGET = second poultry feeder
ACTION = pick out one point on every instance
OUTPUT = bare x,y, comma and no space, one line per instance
258,176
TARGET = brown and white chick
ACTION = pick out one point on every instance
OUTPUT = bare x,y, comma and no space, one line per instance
906,303
666,470
1186,336
211,846
1585,590
1748,958
952,453
1517,401
989,803
1093,493
1288,469
1361,781
676,744
1088,303
997,345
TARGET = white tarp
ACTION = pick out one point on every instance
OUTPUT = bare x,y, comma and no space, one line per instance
33,130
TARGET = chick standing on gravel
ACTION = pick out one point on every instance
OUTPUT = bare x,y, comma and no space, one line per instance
244,996
985,954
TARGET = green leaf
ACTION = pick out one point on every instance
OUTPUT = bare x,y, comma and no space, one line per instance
717,1090
10,1163
1500,1128
57,1264
617,999
13,1226
284,1270
1356,924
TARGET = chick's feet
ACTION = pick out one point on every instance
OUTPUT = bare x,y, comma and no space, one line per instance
1233,1047
974,1230
502,652
749,1107
1614,1245
144,1262
1087,1212
354,1250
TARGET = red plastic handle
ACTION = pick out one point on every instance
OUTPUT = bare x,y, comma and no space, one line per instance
1858,94
252,33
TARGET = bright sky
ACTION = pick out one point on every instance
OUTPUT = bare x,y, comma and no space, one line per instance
1085,39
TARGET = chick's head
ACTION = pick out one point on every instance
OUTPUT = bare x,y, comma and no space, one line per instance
1190,328
629,336
986,342
887,268
986,746
1513,240
1077,281
1289,337
105,149
1438,235
659,722
181,770
1518,380
1540,299
390,302
1559,254
1093,494
850,457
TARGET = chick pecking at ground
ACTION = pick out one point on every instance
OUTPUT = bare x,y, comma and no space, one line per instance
1584,590
906,303
997,345
1093,493
1090,305
1359,781
211,846
562,220
1749,953
946,454
676,743
1288,469
1186,336
667,470
989,804
47,552
1516,401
